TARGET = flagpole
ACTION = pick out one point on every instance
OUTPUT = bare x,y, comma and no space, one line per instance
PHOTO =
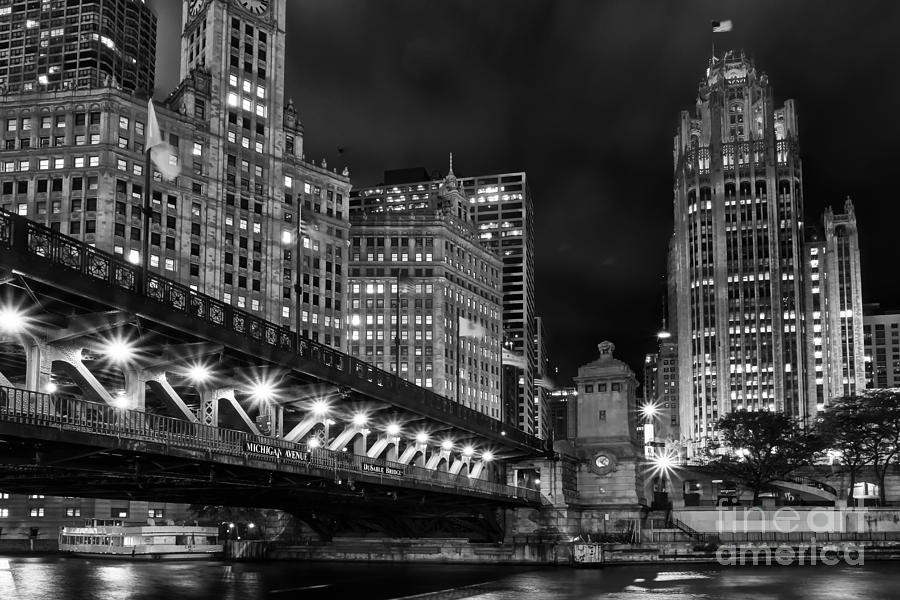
397,329
457,355
145,214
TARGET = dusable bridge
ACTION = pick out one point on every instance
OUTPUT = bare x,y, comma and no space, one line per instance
119,383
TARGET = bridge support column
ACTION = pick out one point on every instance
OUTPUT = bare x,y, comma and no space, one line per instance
160,384
38,365
135,389
235,415
209,407
274,414
414,450
385,442
435,459
464,461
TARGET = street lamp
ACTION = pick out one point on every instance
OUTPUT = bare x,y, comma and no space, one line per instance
199,373
393,429
12,319
422,437
119,350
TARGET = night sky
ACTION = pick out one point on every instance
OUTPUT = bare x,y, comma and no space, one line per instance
584,96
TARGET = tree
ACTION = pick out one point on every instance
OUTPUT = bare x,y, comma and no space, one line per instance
846,428
759,447
882,445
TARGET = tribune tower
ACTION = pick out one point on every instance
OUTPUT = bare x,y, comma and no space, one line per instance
737,250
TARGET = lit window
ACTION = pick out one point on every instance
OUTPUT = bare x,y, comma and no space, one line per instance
232,99
288,181
232,80
286,312
123,122
254,304
198,149
260,91
170,264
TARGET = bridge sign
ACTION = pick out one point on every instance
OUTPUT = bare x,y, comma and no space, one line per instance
383,470
267,450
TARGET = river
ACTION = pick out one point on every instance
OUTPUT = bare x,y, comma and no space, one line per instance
59,578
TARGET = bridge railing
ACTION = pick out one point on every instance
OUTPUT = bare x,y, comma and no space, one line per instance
33,238
50,410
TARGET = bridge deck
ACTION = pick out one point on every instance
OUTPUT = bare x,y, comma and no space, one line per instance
71,272
36,415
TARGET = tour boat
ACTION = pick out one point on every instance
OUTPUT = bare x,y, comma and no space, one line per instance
112,538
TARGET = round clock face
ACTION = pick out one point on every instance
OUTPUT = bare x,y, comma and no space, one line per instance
196,6
603,463
257,7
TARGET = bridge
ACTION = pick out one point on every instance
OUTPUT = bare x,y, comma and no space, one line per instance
119,383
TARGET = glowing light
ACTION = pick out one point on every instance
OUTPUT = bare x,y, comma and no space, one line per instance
121,401
487,456
262,390
119,350
250,525
468,451
12,320
663,462
199,373
393,429
134,257
360,419
447,445
537,482
663,335
502,433
421,437
320,408
650,410
50,387
313,443
355,320
231,526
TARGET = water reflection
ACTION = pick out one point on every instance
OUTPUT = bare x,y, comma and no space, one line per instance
56,578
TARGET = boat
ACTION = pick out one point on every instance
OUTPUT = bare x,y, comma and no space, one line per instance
113,538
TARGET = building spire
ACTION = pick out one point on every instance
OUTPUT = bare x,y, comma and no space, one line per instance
450,180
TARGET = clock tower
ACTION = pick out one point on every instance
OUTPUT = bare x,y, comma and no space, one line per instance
604,422
276,224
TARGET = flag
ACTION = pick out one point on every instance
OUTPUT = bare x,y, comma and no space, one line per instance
469,328
163,156
512,359
405,285
721,26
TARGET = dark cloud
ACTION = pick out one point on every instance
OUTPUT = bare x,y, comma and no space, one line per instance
585,95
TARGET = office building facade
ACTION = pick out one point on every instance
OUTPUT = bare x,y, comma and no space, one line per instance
738,247
414,274
502,211
54,45
834,309
882,347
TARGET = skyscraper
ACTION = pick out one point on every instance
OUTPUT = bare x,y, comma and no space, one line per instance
54,46
738,247
249,219
834,310
425,298
882,340
502,210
